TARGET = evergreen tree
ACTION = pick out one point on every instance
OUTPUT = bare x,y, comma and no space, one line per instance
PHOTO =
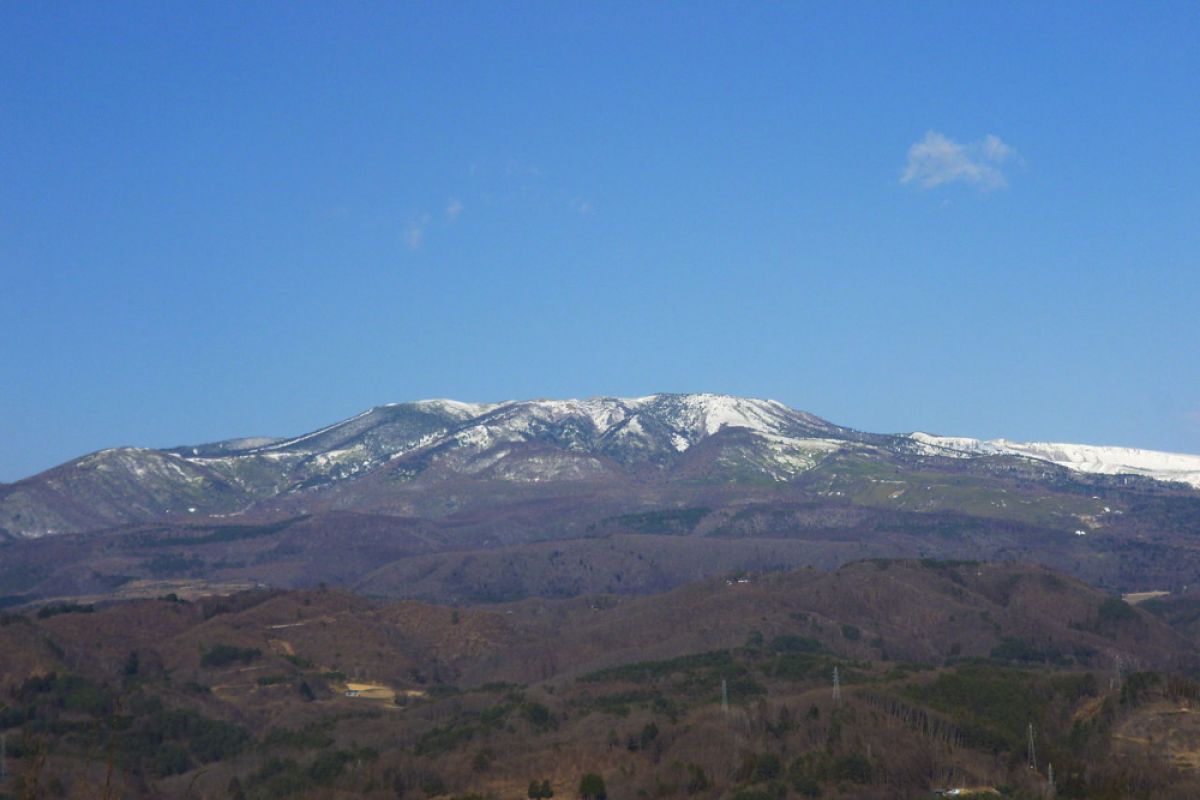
591,787
540,791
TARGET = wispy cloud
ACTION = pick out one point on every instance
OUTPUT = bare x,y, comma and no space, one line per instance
453,208
414,231
522,169
937,160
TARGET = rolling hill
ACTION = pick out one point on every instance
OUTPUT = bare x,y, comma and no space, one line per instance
719,688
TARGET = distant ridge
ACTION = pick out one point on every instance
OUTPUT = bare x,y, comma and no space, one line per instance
1102,460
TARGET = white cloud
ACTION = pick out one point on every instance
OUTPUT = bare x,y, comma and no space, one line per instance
453,208
938,159
414,231
996,150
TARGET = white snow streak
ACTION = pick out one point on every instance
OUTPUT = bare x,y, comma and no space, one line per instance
1078,457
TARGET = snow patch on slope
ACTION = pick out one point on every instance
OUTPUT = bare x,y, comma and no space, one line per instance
293,442
453,408
709,413
793,456
1101,460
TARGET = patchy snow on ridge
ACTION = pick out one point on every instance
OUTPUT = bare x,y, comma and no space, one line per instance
1179,467
284,443
454,408
695,416
603,413
715,411
794,456
674,422
953,446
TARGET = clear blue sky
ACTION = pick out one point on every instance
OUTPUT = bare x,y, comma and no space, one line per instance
222,219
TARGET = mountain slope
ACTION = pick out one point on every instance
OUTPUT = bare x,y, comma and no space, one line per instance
434,457
113,487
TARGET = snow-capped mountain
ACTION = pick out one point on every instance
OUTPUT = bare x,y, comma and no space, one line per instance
456,434
434,456
1177,467
516,441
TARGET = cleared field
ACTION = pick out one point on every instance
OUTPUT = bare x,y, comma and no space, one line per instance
1133,598
1171,730
371,691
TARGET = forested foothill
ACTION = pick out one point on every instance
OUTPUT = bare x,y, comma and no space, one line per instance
721,688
